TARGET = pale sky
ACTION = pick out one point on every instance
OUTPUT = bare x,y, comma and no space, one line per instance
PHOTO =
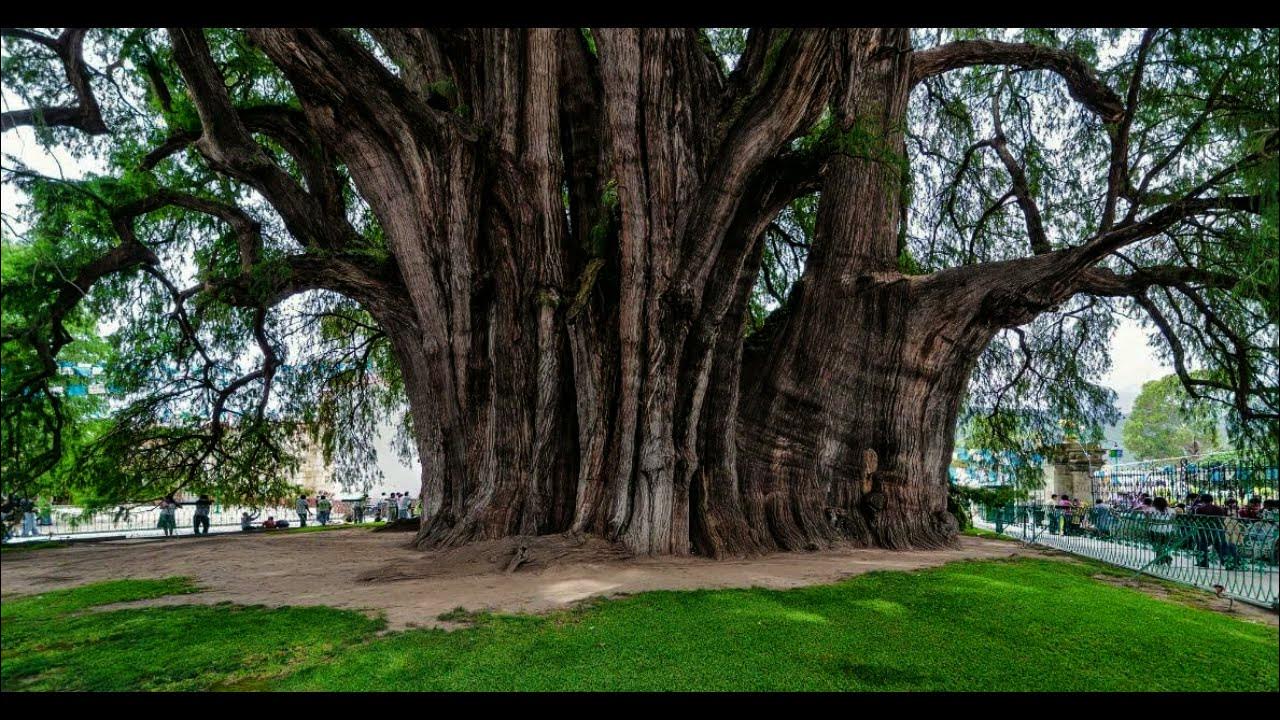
1132,363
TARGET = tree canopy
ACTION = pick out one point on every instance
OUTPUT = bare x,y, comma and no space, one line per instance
223,249
1166,422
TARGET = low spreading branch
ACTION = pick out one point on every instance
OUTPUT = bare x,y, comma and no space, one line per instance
85,115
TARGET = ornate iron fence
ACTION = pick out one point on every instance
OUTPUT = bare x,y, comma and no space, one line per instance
1178,479
1233,557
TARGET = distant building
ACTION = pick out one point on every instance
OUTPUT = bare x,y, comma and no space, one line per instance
317,477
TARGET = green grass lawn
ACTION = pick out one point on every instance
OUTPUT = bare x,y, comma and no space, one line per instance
316,527
1025,624
33,545
980,533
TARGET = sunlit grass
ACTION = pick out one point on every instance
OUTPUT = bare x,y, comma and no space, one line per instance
1025,624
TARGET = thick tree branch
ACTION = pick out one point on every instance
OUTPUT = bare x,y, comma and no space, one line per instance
1118,171
1082,81
227,144
1105,282
1021,188
85,115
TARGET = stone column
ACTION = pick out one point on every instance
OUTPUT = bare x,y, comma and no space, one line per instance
1069,469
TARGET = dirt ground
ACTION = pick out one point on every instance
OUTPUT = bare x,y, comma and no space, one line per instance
378,572
361,570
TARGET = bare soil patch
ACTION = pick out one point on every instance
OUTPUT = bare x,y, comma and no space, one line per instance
383,573
380,572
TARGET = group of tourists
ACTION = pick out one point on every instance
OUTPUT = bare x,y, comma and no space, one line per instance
169,515
324,507
388,508
271,523
397,506
29,514
1197,521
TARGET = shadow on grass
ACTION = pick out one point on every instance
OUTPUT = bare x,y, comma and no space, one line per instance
1018,624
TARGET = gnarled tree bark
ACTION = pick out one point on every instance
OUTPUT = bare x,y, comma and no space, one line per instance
573,228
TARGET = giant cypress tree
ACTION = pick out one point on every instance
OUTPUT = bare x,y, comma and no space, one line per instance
695,291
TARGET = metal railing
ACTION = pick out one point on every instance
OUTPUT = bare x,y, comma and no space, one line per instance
1176,480
70,522
1234,557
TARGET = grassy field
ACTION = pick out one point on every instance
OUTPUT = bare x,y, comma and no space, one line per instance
1026,624
980,533
33,545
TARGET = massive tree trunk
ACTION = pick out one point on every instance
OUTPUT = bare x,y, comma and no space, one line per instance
577,230
559,236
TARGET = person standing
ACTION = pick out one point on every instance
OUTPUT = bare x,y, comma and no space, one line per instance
323,506
168,516
7,508
1064,514
1253,509
1077,517
28,510
1191,501
393,507
303,510
1212,532
1055,516
1232,507
1161,525
1101,518
405,507
358,509
44,512
201,520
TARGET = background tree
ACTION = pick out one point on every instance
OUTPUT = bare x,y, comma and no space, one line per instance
714,292
1167,422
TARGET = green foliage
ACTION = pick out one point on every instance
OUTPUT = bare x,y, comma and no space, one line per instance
39,452
727,44
156,434
599,233
446,89
949,628
907,263
958,508
1208,98
997,496
591,40
1167,422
